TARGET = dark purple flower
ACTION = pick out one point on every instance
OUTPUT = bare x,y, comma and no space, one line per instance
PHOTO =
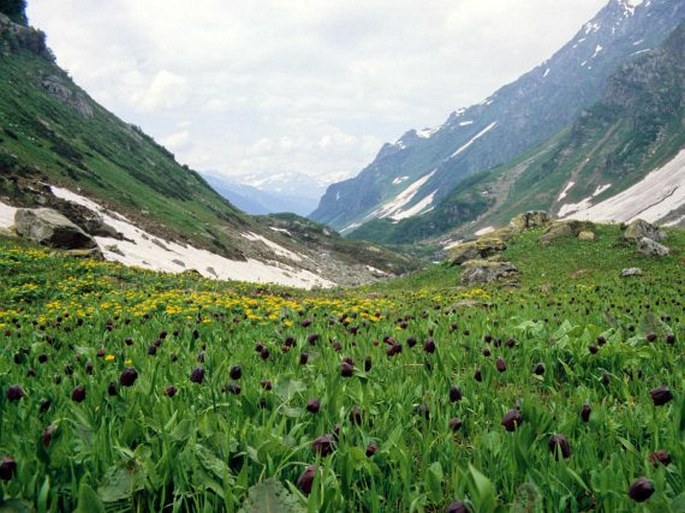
306,479
501,365
112,389
324,445
45,405
641,489
429,346
198,375
585,413
78,394
304,358
455,394
233,388
8,467
47,435
313,405
455,424
236,372
539,369
411,341
312,338
266,384
512,420
457,507
170,391
661,395
593,349
660,457
371,449
367,364
355,416
478,376
15,393
487,352
558,444
128,377
346,369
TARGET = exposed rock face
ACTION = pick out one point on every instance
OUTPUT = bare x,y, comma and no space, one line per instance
50,228
586,236
563,229
528,220
485,247
485,271
55,87
639,229
631,271
89,220
649,247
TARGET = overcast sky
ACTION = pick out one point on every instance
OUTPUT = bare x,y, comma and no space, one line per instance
315,86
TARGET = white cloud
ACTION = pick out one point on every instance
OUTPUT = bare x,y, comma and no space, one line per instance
313,87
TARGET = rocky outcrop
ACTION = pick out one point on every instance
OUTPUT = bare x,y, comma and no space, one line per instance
531,219
650,247
48,227
565,229
631,271
484,247
477,272
89,220
639,229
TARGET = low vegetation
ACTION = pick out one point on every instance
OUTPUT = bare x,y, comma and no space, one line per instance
127,390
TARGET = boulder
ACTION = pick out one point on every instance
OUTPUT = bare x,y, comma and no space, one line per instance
484,247
50,228
528,220
639,229
631,271
564,229
485,271
650,247
586,235
89,220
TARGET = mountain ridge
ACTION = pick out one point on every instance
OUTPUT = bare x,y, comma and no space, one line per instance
508,123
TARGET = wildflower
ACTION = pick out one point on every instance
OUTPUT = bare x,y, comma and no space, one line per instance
324,445
78,394
313,405
501,364
8,467
660,457
233,388
558,444
367,364
429,346
539,369
661,395
109,358
455,394
304,358
512,420
585,413
236,372
478,376
266,384
128,377
355,416
170,391
112,389
47,435
457,507
198,375
641,489
371,449
15,393
455,424
346,369
306,479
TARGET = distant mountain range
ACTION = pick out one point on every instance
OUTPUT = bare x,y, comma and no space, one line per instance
435,181
272,193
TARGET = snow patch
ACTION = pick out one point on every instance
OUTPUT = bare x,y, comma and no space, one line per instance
145,250
281,230
421,207
399,180
426,133
402,199
651,199
591,27
598,50
545,73
485,231
450,245
600,189
568,187
466,123
474,139
6,215
278,249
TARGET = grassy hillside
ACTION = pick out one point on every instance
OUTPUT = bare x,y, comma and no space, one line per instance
127,390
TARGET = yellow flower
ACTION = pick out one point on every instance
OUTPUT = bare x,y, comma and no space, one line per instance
110,358
128,362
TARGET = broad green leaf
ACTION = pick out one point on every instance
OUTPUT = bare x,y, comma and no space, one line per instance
271,496
88,500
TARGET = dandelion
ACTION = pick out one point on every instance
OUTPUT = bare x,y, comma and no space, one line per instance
111,358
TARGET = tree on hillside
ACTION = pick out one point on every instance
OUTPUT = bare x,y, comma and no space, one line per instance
15,9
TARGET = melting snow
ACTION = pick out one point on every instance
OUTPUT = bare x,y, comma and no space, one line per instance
395,206
630,5
145,250
651,199
474,139
279,250
399,180
598,49
6,215
591,27
546,73
466,123
568,187
421,207
485,231
427,132
281,230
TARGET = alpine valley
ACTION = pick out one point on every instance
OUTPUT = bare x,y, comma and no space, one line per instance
595,132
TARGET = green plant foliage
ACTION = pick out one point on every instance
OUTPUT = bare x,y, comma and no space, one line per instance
15,9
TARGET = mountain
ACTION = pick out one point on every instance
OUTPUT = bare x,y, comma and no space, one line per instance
413,175
622,158
279,192
59,148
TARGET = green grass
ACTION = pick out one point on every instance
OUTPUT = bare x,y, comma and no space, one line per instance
205,448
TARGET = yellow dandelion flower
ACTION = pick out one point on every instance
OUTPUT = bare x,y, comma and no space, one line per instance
110,358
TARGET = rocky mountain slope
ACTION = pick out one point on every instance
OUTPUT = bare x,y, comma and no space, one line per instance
60,149
621,159
415,174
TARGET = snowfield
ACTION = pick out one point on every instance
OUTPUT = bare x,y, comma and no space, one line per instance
142,249
651,199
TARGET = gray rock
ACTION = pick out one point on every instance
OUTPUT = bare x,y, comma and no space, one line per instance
484,271
564,229
531,219
639,229
50,228
650,247
485,247
631,271
586,236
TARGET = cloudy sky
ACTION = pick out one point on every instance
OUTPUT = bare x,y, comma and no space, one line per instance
312,86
